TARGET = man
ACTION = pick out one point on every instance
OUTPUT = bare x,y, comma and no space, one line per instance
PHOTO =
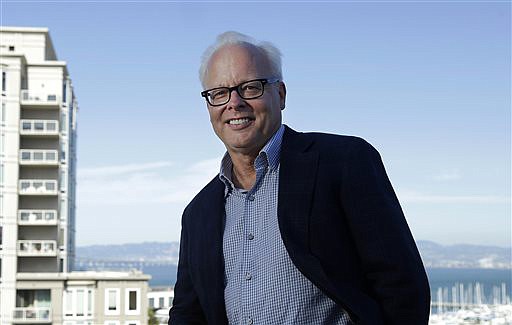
297,228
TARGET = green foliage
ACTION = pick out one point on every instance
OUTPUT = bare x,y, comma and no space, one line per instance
151,317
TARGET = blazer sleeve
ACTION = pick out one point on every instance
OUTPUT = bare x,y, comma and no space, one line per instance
186,308
389,256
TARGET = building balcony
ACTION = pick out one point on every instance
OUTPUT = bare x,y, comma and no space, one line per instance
32,315
39,127
38,187
37,248
37,217
29,98
39,157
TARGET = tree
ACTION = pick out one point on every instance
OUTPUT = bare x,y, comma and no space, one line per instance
152,320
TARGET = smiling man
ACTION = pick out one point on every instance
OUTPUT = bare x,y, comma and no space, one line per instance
297,228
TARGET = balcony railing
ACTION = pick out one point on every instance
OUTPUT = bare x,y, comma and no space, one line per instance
33,314
38,157
38,187
39,127
31,98
37,248
37,217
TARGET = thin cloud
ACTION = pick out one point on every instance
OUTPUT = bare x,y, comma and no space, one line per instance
107,171
416,197
450,175
191,181
145,183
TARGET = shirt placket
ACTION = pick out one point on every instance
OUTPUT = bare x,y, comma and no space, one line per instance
249,268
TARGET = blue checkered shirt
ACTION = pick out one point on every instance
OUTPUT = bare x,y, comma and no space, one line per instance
262,285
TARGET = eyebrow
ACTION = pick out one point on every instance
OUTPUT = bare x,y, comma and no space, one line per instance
238,83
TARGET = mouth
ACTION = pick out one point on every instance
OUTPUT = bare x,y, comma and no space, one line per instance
239,121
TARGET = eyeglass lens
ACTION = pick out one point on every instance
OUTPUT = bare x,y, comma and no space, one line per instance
246,90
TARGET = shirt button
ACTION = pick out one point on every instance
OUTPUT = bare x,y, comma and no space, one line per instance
248,276
250,197
250,236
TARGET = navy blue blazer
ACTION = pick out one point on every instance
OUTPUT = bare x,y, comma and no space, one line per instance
341,224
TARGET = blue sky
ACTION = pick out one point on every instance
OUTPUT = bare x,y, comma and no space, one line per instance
427,83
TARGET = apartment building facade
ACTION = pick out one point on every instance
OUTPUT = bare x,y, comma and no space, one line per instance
82,298
160,300
38,133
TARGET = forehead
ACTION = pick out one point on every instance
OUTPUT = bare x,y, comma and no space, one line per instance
233,64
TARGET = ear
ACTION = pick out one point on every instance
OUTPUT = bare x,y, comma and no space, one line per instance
282,95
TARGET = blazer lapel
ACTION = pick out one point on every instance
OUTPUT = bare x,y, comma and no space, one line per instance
297,181
297,178
209,250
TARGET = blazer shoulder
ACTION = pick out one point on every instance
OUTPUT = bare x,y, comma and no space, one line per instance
347,144
206,194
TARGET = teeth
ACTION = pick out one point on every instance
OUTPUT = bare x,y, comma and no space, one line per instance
239,121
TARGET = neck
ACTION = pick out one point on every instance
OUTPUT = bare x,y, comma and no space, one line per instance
244,174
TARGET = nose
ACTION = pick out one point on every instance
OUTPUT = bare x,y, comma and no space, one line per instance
235,101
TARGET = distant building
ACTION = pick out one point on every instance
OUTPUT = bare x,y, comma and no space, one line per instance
38,123
160,300
109,298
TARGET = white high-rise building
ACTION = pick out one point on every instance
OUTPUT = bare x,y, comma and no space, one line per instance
38,159
37,198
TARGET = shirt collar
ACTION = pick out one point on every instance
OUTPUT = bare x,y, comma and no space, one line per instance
270,153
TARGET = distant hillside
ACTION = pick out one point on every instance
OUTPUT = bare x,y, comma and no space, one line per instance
152,252
434,255
464,256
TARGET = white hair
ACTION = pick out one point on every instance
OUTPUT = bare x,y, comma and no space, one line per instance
267,49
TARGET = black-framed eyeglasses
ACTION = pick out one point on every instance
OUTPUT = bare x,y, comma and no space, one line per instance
247,90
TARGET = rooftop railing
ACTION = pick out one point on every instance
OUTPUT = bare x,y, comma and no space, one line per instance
38,187
32,314
39,127
37,248
37,217
38,157
33,98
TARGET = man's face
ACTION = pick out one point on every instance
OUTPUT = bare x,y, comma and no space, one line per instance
260,117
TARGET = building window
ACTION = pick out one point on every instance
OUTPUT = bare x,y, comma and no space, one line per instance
63,122
132,322
68,302
161,302
152,302
3,112
33,298
89,303
132,301
4,81
80,302
63,152
64,91
170,302
77,301
112,322
11,48
61,237
112,301
62,180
